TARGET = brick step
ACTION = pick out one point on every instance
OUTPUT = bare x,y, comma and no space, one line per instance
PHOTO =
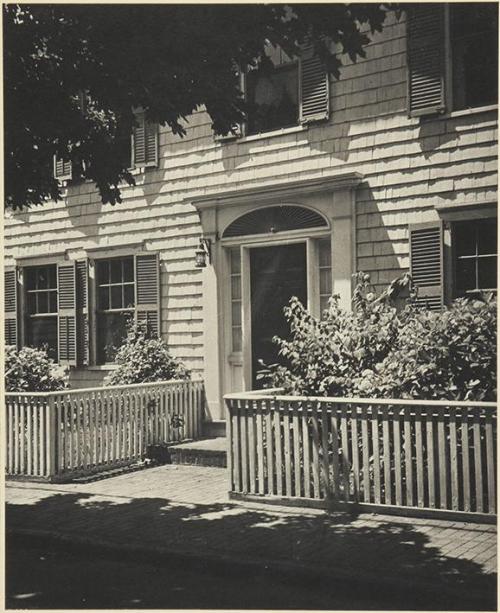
204,452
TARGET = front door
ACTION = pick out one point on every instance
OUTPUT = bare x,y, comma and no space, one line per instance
276,274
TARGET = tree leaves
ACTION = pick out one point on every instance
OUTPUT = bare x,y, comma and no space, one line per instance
168,59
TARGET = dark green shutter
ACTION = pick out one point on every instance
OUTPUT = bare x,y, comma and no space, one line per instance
426,59
10,306
426,263
62,169
67,330
145,142
314,87
82,312
147,280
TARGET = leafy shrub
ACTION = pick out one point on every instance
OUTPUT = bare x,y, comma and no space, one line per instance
144,358
31,370
387,352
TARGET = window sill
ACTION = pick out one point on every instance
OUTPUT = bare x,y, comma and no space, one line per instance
271,134
473,111
102,367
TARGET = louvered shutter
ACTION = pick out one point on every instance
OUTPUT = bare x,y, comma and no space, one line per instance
145,142
10,306
82,312
62,169
426,264
314,87
67,330
147,291
426,59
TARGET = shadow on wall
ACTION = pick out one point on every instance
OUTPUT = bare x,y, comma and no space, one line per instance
394,549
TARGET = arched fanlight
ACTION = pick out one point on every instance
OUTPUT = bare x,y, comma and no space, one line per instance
275,219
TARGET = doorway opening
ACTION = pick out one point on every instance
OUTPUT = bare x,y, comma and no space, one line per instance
276,274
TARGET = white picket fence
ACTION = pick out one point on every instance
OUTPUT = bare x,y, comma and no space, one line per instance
70,432
376,454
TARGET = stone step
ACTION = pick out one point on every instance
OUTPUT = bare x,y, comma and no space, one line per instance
204,452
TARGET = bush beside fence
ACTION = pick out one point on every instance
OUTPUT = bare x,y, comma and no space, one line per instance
419,455
73,432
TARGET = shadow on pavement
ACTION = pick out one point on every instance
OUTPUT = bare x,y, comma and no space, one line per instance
362,553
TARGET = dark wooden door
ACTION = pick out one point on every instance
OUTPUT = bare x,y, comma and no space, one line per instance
276,274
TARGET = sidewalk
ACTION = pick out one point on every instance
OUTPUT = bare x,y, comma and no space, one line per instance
185,510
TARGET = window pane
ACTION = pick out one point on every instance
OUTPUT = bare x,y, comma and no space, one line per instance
323,303
42,278
116,271
272,98
129,295
236,288
30,278
128,269
466,274
325,281
116,296
31,303
103,299
53,302
43,303
487,237
111,330
474,34
325,253
465,239
236,313
237,339
102,272
487,273
43,331
235,261
52,276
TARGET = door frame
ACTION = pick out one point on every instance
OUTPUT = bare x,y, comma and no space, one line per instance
243,360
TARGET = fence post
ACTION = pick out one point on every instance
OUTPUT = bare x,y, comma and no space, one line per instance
229,441
51,434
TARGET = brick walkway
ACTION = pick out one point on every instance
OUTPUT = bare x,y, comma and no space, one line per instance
185,509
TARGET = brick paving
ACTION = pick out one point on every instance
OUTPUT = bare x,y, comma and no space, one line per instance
186,510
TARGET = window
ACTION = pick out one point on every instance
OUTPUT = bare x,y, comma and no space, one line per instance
282,92
235,271
467,33
474,52
42,309
115,304
325,272
272,92
475,247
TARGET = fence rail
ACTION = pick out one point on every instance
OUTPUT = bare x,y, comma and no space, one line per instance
394,454
82,431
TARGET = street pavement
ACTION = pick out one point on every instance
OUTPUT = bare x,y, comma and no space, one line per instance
183,513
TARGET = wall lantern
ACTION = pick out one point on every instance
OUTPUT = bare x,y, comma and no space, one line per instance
203,253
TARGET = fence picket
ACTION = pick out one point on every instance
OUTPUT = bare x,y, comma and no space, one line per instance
377,493
315,454
365,454
305,445
443,486
278,450
244,452
453,461
490,463
335,453
419,457
478,461
431,468
288,459
251,447
296,451
464,439
408,456
260,451
387,456
325,470
269,449
237,445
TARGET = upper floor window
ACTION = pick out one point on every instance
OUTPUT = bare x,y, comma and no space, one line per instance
115,304
475,245
272,92
467,35
42,309
474,52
